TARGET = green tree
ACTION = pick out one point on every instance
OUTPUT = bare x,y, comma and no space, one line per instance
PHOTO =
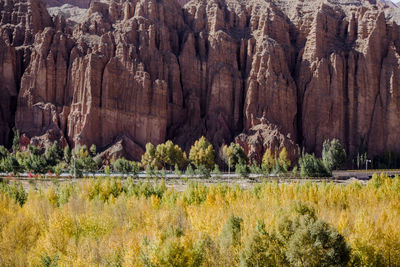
310,166
36,164
54,154
189,170
3,152
298,239
82,162
216,170
203,171
67,154
126,167
122,165
149,158
10,164
15,145
202,153
233,155
255,168
93,150
333,154
89,165
170,154
107,170
15,191
34,150
242,170
177,171
262,249
177,155
315,243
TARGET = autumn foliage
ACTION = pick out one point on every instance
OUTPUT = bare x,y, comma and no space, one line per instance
127,223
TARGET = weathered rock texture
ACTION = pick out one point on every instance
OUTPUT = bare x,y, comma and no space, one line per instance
78,3
155,70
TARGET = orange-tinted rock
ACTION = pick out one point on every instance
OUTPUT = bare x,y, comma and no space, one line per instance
20,20
265,136
123,147
156,70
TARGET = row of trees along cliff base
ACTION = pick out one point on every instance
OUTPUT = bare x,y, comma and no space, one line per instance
166,157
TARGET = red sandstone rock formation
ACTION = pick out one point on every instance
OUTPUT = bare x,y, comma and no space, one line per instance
153,70
263,136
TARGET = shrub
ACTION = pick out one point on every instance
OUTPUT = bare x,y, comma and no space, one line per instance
189,170
310,166
107,170
3,152
195,193
231,232
14,191
10,164
333,155
177,171
203,171
261,249
172,253
205,252
216,170
315,243
123,166
242,170
36,164
15,143
255,168
54,154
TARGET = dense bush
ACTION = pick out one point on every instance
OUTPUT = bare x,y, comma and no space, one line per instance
10,164
311,166
333,155
126,167
15,191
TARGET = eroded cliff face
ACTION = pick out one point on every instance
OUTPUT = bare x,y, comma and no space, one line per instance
155,70
19,22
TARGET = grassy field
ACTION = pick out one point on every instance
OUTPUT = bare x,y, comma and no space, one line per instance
109,222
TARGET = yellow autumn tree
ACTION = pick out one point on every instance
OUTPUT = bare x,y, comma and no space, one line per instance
268,160
170,155
283,159
149,158
202,153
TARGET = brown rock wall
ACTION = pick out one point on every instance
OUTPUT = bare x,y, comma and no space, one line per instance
154,70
